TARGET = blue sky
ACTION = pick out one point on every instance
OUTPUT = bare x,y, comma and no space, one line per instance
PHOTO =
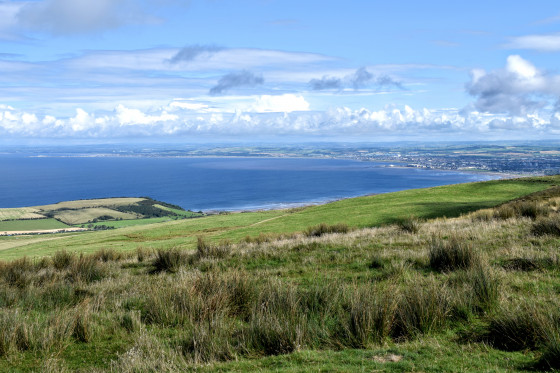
272,70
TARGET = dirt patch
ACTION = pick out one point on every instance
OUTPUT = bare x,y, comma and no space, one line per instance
391,358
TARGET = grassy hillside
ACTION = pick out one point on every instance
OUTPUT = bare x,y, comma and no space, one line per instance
468,294
449,201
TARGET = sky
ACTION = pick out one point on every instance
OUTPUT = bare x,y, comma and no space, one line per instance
279,70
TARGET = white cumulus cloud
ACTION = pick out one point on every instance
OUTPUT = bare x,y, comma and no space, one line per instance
286,103
517,89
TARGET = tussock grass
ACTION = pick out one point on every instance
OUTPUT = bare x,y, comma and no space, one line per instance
205,250
410,224
524,327
423,308
546,226
452,254
550,358
321,229
529,209
170,260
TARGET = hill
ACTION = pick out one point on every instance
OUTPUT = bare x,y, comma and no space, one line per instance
474,291
102,213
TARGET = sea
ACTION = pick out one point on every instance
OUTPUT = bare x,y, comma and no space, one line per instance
209,184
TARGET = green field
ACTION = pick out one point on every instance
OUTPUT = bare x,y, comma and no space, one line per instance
30,225
467,288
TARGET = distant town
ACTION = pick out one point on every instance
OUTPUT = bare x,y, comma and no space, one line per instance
538,158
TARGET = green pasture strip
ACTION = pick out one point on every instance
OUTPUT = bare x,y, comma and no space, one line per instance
30,225
179,233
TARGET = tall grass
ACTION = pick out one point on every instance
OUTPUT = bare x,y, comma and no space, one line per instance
452,254
169,260
321,229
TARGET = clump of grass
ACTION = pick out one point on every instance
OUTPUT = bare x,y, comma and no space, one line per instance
148,354
529,264
205,250
141,254
107,255
169,260
377,262
409,225
485,288
18,273
422,308
209,342
371,318
263,238
321,229
86,269
451,255
546,226
130,321
82,323
505,212
528,209
519,329
278,321
62,259
550,358
482,215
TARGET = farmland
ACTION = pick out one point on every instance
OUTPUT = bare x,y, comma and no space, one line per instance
101,213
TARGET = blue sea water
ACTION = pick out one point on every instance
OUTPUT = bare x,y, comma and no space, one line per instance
208,183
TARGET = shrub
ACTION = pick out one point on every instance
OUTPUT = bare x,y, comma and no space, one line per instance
169,260
321,229
451,255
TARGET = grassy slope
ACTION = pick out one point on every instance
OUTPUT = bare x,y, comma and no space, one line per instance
328,264
449,201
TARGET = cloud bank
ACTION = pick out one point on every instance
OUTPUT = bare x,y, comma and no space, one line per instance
275,116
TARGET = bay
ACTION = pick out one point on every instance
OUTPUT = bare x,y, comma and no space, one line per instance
208,183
